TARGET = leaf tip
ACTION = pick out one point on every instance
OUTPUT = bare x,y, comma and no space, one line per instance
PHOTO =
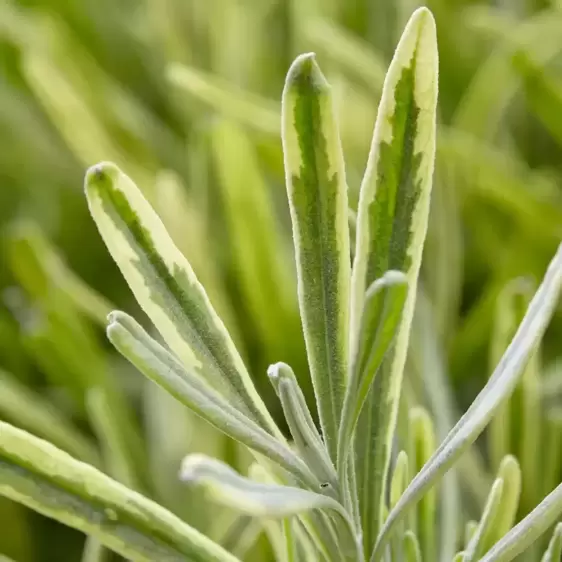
189,468
100,175
305,76
279,371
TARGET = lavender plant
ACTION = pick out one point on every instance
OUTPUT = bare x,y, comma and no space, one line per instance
338,489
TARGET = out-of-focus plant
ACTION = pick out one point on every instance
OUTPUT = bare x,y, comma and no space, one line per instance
339,492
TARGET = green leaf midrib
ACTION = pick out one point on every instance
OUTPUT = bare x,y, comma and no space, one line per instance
118,207
388,249
27,471
395,254
313,147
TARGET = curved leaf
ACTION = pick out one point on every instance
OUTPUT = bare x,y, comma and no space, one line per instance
165,286
164,369
499,387
423,445
40,476
411,546
264,500
247,496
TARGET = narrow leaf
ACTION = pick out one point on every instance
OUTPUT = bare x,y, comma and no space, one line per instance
477,545
257,499
469,531
317,192
164,369
40,269
510,473
423,441
165,286
554,551
241,535
380,319
391,227
40,476
308,442
274,531
411,546
400,478
499,387
516,427
526,532
551,459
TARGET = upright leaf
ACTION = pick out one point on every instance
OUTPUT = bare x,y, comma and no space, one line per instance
381,316
423,445
554,551
166,287
478,543
317,191
412,552
510,472
516,427
117,461
391,227
303,430
94,551
527,531
40,476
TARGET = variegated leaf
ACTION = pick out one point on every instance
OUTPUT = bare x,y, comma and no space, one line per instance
381,317
40,476
165,286
317,192
391,227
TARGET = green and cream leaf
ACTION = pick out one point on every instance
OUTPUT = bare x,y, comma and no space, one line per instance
165,286
47,480
317,192
391,227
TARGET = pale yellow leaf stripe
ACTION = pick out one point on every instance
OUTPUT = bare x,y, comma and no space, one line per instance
167,289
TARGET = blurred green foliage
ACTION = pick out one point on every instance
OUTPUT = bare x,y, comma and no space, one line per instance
89,80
